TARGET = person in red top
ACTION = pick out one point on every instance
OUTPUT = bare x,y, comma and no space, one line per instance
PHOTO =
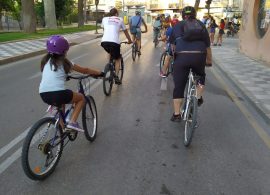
220,33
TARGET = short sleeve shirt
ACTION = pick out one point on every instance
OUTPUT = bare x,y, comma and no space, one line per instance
112,26
136,21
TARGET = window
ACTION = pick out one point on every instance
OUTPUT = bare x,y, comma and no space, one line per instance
263,17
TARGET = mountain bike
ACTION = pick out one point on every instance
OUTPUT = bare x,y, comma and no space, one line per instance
135,50
162,61
190,107
110,74
44,143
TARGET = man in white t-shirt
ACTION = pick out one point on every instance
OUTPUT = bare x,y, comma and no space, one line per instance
111,40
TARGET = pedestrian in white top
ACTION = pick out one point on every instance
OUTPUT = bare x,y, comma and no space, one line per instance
110,40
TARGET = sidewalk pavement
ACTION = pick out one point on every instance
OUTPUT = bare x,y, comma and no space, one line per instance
13,51
252,77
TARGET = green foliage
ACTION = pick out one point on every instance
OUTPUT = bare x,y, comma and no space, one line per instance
39,9
64,10
6,5
73,17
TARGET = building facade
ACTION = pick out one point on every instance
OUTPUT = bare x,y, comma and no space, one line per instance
255,32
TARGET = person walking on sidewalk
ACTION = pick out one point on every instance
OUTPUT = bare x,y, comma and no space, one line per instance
191,40
111,38
220,33
135,23
55,67
213,27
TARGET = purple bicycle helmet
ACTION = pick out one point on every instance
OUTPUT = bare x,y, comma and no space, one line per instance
57,44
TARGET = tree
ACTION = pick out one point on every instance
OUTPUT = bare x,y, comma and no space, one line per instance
80,13
50,16
63,9
29,17
6,5
16,13
196,6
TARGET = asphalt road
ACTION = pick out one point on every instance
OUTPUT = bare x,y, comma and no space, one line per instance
138,150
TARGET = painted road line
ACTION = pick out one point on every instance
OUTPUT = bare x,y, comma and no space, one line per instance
10,160
13,142
38,74
164,82
259,130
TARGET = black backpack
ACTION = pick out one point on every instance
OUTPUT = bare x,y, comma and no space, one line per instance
193,30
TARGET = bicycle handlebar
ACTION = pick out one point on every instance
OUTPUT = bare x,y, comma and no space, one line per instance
123,42
80,77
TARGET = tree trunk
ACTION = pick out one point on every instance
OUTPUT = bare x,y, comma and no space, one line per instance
84,11
50,16
29,16
196,6
1,25
80,13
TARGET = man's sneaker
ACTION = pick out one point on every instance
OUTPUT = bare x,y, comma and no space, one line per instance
176,118
139,53
200,101
117,80
74,126
162,75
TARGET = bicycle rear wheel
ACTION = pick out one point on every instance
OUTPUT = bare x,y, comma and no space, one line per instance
107,80
134,51
121,70
191,120
89,119
42,149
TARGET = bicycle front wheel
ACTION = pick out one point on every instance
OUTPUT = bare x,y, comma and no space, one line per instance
191,120
156,42
107,80
42,149
162,61
89,119
134,51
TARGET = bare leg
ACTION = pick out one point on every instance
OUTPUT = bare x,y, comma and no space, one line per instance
117,65
166,64
139,44
78,100
177,103
200,90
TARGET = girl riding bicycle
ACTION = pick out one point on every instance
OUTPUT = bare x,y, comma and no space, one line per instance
55,67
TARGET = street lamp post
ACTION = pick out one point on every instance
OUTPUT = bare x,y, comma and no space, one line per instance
96,2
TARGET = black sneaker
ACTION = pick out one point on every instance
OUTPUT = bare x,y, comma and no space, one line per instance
200,101
117,80
176,118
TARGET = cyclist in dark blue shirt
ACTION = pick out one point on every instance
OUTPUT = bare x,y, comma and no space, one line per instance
188,54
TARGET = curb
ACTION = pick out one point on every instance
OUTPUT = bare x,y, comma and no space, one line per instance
36,53
257,107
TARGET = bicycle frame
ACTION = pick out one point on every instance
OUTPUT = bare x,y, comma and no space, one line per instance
191,90
59,114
